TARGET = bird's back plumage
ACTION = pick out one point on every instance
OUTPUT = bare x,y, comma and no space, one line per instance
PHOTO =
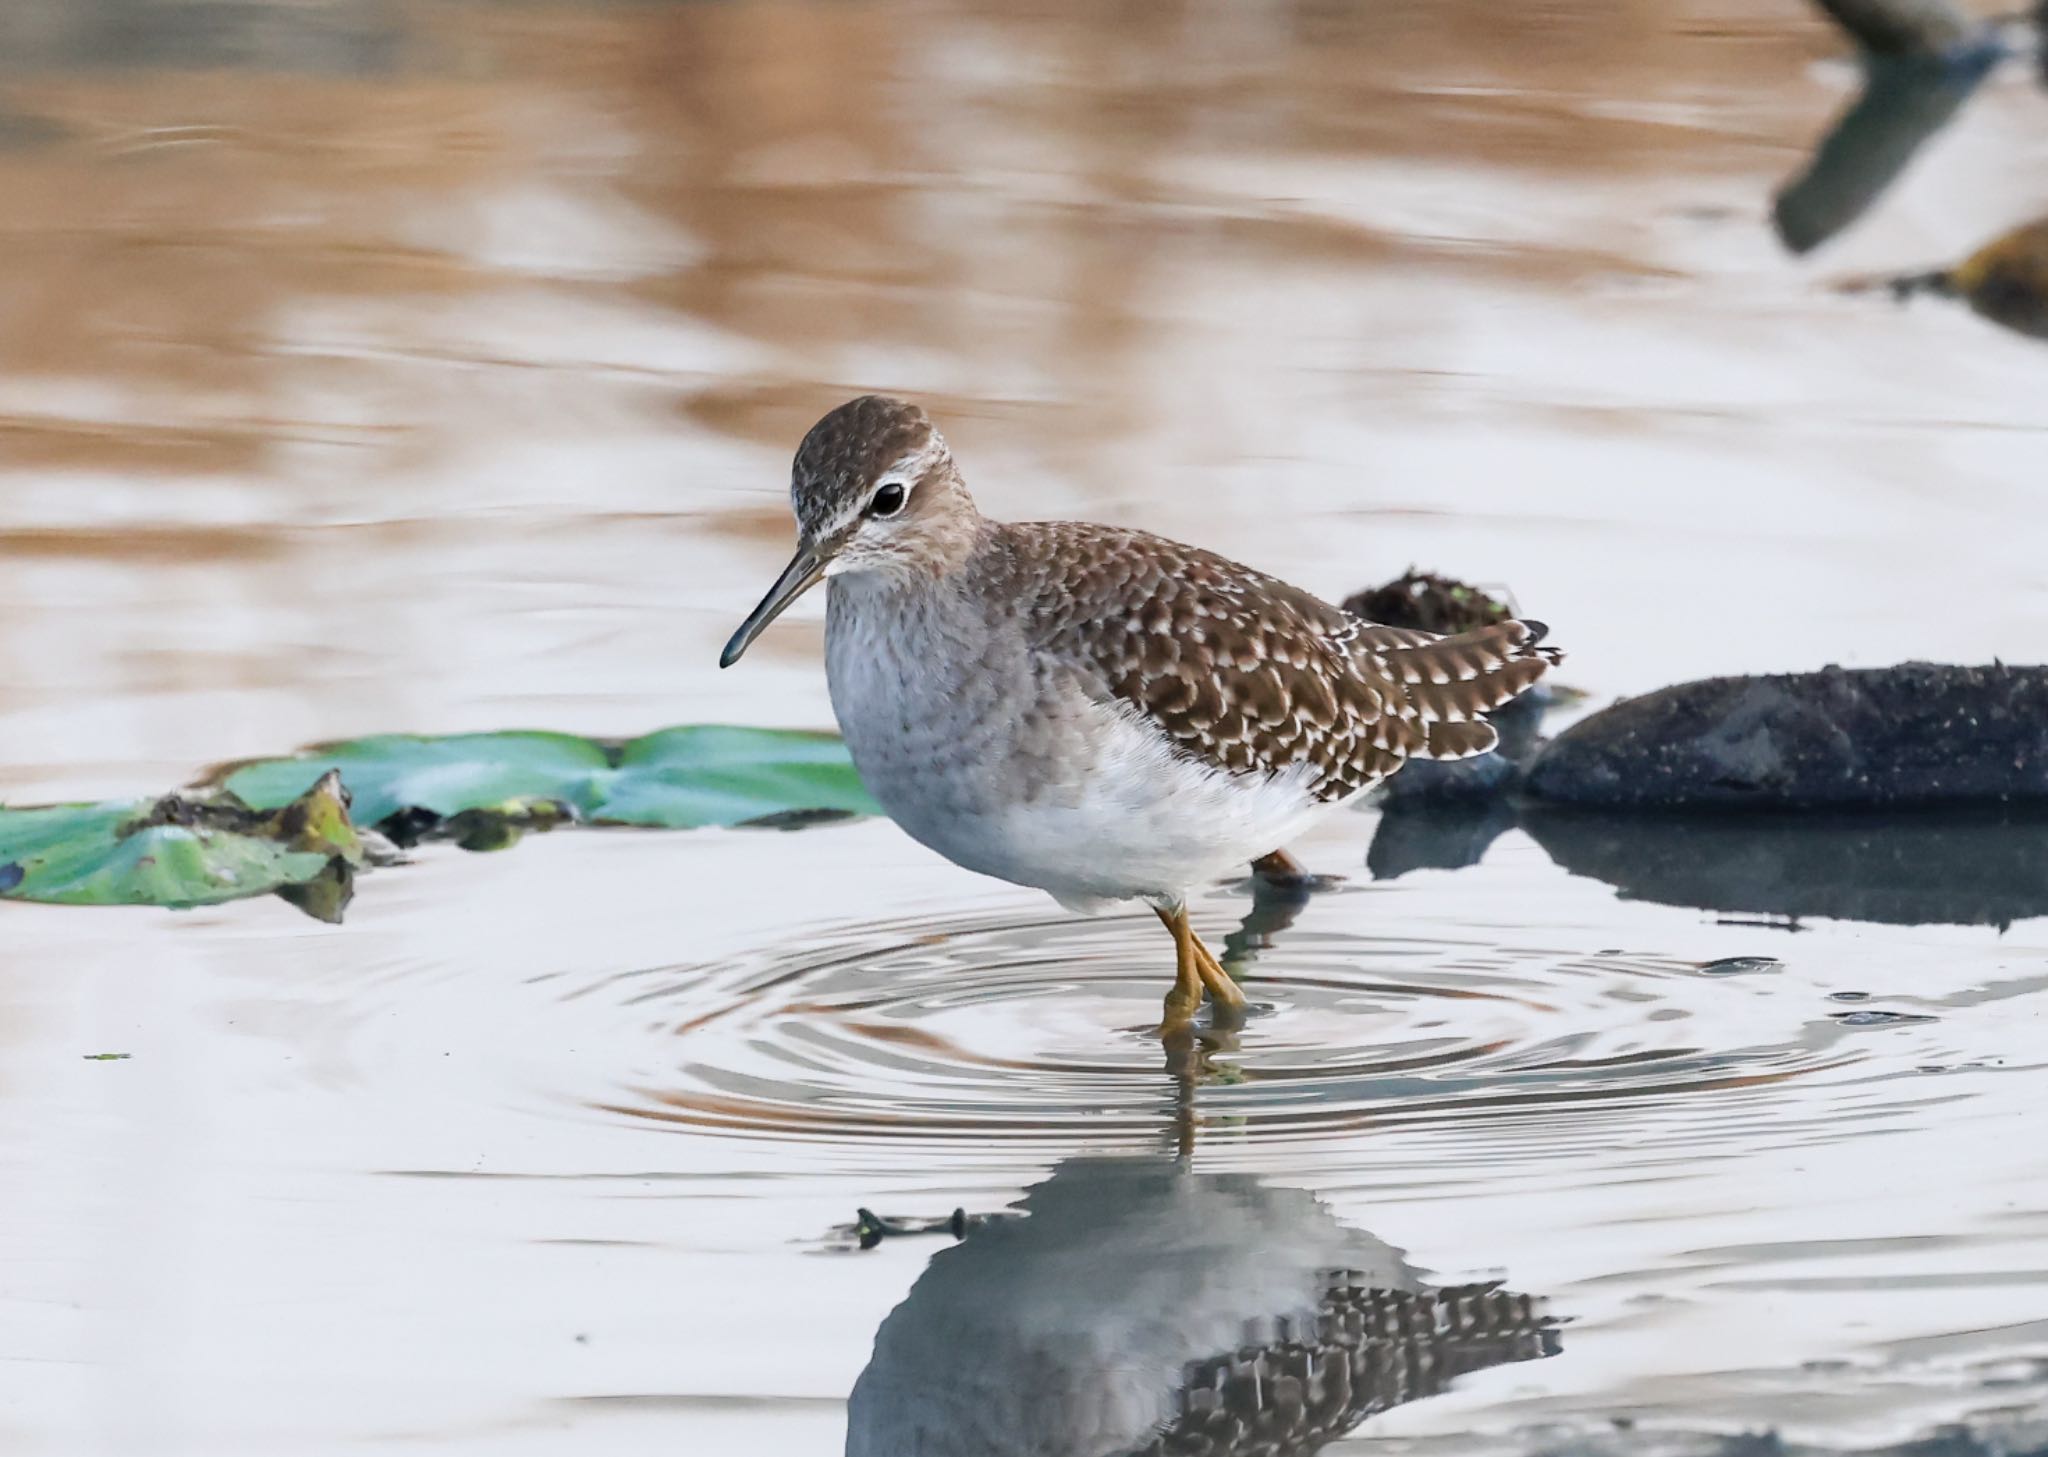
1247,674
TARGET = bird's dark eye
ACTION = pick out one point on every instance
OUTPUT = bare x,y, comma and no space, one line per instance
888,501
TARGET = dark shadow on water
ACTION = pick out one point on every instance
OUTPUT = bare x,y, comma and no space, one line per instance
1974,867
1139,1308
1978,869
1903,103
1436,836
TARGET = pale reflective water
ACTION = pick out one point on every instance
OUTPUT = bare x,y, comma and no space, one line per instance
409,365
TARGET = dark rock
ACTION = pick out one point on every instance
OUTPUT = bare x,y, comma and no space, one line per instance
1917,734
1982,867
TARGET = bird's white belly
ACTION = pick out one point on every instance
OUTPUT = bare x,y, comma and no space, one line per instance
999,761
1137,821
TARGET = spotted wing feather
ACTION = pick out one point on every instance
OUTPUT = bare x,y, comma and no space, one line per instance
1246,673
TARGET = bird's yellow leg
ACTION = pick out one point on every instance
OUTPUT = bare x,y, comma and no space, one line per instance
1223,990
1186,996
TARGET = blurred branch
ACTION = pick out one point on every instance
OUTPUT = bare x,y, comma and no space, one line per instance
1905,100
1905,27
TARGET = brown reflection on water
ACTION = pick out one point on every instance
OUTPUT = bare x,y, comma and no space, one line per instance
837,177
542,294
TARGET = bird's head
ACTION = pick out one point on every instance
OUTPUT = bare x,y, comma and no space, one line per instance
874,490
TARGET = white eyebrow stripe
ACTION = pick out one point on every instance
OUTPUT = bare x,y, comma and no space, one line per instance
903,472
906,471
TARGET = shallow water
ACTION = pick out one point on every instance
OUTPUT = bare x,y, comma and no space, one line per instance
375,366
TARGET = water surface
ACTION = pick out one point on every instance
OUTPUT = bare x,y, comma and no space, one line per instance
435,366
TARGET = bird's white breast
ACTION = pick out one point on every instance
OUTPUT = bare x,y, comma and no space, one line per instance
994,756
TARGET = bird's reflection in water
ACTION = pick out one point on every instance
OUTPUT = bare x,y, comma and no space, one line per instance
1140,1308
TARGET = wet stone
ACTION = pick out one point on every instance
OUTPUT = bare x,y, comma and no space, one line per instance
1913,735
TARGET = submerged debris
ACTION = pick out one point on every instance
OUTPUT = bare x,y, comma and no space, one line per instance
797,819
2005,281
1428,601
326,896
316,823
869,1229
1740,965
483,828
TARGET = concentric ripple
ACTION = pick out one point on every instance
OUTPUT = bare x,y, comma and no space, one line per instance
1034,1033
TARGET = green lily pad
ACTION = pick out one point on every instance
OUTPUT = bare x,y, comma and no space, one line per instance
177,851
712,774
393,772
678,778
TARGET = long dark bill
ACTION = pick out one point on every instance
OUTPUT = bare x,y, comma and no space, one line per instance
804,571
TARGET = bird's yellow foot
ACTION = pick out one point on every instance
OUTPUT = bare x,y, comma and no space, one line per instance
1185,999
1196,970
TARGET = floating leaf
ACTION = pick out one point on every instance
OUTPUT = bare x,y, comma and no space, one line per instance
284,825
177,851
711,774
394,772
483,789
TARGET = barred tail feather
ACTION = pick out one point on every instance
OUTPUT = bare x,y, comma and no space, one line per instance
1451,683
1458,740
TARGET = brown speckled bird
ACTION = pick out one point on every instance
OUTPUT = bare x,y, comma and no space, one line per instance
1096,712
